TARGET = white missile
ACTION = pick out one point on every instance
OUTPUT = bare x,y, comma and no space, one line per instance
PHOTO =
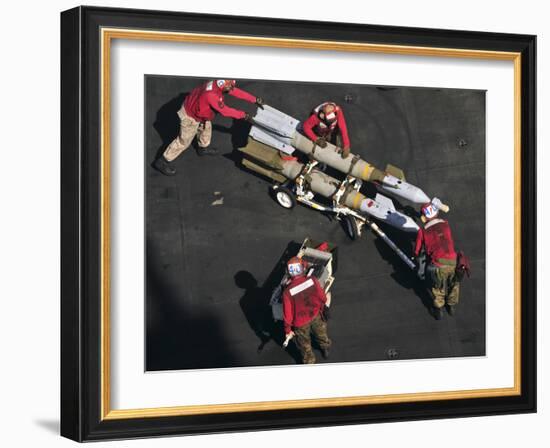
268,162
398,187
281,131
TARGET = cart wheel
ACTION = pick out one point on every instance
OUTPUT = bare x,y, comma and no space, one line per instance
284,197
351,227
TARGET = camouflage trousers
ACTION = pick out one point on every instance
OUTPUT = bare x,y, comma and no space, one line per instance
302,338
444,286
189,128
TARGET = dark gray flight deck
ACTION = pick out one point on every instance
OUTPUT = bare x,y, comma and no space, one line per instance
214,235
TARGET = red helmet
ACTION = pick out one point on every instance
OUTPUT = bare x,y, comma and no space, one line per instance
328,112
295,267
226,84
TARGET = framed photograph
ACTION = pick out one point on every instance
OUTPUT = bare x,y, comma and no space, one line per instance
277,224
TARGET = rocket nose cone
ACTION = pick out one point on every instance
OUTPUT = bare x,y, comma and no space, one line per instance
410,226
401,221
420,197
405,190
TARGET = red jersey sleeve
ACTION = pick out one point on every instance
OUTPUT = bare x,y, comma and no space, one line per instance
241,94
220,107
308,126
342,125
419,242
319,291
288,311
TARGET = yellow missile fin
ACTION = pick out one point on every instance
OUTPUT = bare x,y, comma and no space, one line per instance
394,171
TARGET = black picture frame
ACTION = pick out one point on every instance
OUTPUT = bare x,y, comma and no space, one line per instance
82,407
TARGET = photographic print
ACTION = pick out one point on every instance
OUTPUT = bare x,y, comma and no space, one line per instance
344,200
297,223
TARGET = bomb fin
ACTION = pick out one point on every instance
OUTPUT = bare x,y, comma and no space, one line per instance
385,201
396,172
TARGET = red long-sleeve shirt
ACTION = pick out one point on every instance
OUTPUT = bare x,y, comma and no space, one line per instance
314,127
204,101
437,240
303,298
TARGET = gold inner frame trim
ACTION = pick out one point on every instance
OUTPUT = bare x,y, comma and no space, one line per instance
107,35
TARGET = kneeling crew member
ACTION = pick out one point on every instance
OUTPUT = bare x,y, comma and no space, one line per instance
438,243
327,124
303,302
196,114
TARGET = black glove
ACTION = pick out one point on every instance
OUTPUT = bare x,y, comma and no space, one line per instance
260,102
321,142
248,118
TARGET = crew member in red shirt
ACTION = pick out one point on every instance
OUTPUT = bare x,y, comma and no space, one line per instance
437,241
196,114
327,124
303,303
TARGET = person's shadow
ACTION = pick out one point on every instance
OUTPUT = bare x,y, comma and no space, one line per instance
402,274
167,122
257,310
255,304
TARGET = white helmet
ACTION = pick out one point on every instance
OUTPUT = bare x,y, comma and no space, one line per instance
295,267
430,211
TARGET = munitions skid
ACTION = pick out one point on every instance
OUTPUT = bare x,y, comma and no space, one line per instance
306,183
321,264
273,144
278,131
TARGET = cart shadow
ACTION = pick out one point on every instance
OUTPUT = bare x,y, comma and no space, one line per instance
239,131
